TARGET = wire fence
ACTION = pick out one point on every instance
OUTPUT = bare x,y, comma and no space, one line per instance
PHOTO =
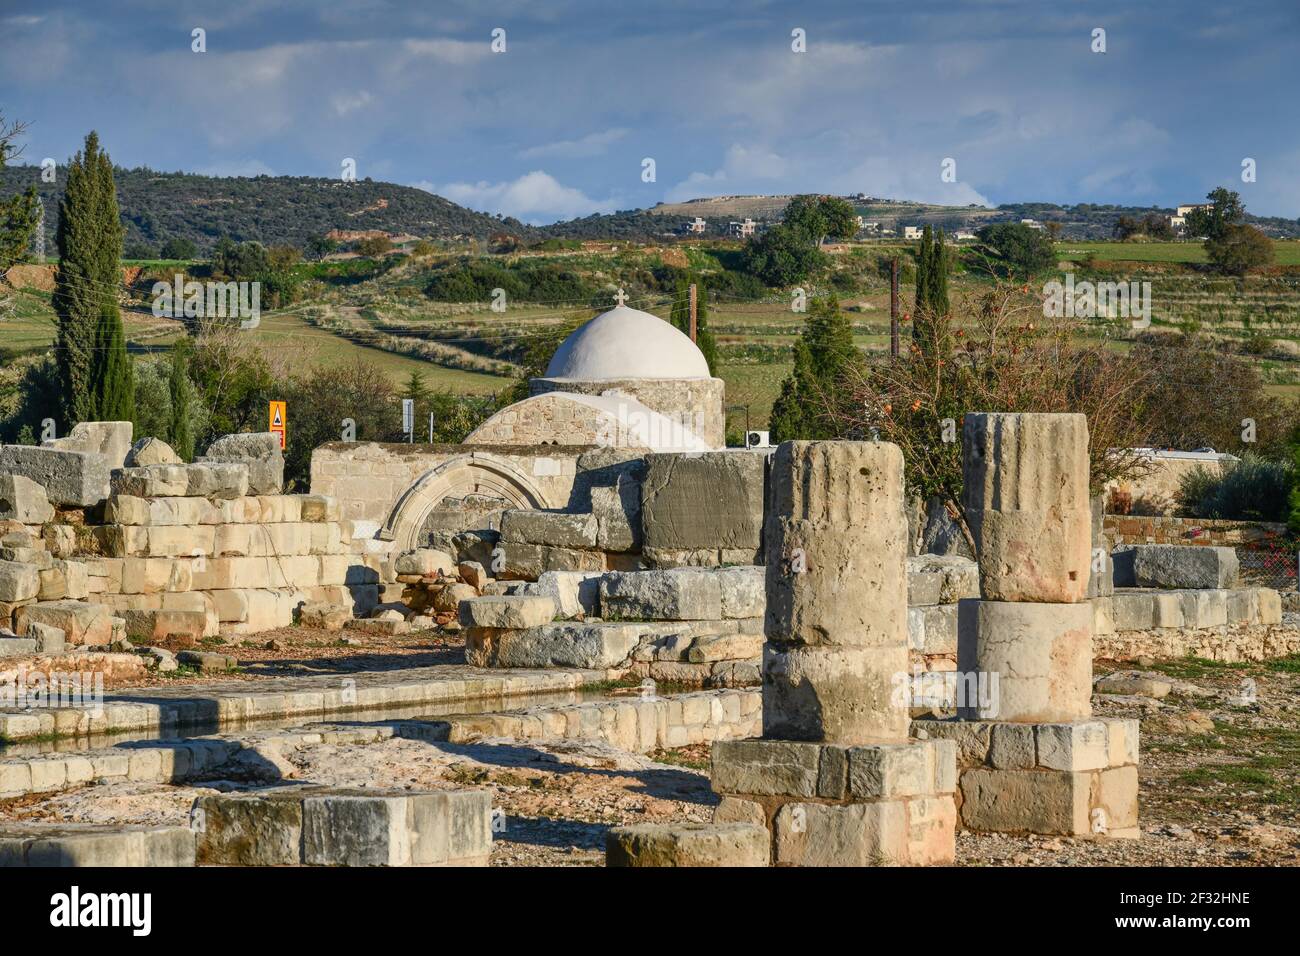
1270,563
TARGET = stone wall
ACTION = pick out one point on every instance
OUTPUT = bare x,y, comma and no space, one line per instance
1156,489
1159,529
695,402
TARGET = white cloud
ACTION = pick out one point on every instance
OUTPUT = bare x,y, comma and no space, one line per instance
345,103
593,144
534,197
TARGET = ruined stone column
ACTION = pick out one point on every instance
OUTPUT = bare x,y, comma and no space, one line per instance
835,778
1033,760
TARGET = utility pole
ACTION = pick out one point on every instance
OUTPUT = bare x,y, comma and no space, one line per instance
893,308
694,318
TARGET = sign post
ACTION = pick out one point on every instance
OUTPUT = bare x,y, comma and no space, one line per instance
408,418
279,421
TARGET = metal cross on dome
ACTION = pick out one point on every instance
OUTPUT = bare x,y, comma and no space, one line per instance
620,298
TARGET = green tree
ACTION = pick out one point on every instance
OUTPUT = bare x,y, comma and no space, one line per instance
782,256
1023,251
18,214
1226,209
178,249
89,342
1238,249
681,318
821,218
1293,497
822,356
180,434
923,259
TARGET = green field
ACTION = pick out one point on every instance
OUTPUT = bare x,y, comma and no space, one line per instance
1286,253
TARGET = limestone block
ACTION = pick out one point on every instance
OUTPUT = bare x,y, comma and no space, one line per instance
888,771
725,647
23,500
703,500
175,541
576,593
1012,746
150,481
680,594
1081,745
617,509
110,439
1184,566
1166,610
92,845
1122,739
972,739
1041,654
744,592
553,528
941,579
767,768
451,827
688,844
177,511
259,451
1134,610
213,479
1025,801
75,479
529,561
47,638
157,626
328,617
567,644
1242,606
425,561
854,834
60,540
1270,606
507,611
256,829
842,695
1026,500
54,584
836,543
738,810
1211,608
318,508
81,623
932,629
151,575
150,451
18,582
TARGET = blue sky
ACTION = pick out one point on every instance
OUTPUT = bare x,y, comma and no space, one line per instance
558,125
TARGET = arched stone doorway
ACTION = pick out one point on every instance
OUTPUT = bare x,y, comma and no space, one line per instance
477,473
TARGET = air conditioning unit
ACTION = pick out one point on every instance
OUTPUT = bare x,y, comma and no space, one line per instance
758,440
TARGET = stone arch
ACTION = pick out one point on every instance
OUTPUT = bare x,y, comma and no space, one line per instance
473,473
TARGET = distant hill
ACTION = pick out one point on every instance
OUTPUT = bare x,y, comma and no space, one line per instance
271,209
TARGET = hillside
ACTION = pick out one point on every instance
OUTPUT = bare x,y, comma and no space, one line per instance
271,209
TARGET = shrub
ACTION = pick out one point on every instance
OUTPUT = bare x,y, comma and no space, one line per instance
1254,489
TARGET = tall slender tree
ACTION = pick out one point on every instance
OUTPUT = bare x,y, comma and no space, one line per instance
181,391
938,279
923,264
822,356
91,348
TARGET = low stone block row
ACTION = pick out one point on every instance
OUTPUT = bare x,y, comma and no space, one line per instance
125,509
688,844
82,622
199,573
221,540
1078,779
206,480
638,725
1234,642
831,805
1144,610
684,594
94,845
316,698
139,763
334,827
937,579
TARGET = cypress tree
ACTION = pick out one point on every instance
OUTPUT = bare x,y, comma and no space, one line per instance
89,238
938,278
824,351
680,317
111,375
924,263
180,434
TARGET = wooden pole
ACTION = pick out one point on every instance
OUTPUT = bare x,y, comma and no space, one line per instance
694,318
893,308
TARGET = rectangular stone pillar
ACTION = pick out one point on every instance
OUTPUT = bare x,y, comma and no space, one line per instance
834,779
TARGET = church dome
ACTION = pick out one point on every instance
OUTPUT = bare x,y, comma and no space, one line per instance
627,343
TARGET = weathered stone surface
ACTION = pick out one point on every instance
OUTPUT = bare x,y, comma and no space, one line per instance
18,582
1132,611
618,515
766,767
836,545
81,623
217,479
941,579
566,644
151,451
473,573
843,695
685,594
703,500
932,629
110,439
71,478
155,626
915,832
206,662
1027,503
397,828
425,562
528,562
744,592
688,844
23,500
1184,566
260,451
1041,654
554,528
95,845
249,829
151,481
507,611
47,638
576,593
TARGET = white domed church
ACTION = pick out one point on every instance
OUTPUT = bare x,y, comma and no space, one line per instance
627,379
